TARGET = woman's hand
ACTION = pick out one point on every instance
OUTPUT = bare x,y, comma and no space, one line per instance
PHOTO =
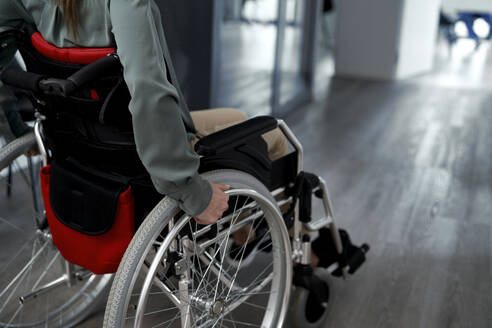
217,205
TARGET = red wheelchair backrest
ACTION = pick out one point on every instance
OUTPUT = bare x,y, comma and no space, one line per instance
68,55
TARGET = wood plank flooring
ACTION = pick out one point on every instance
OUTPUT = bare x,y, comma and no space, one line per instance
410,172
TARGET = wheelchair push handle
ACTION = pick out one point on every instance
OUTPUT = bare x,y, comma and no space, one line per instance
95,70
21,79
61,87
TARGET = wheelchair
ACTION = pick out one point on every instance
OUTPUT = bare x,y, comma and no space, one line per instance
102,215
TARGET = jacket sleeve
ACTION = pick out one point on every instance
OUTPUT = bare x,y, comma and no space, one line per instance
160,134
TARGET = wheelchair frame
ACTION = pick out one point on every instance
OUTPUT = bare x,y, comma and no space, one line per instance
300,248
301,251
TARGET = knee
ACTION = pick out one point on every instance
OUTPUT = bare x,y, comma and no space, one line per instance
233,114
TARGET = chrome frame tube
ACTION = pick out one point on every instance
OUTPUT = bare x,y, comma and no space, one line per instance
49,286
183,285
327,204
33,188
300,251
278,191
306,253
296,244
69,273
39,139
162,286
329,211
294,141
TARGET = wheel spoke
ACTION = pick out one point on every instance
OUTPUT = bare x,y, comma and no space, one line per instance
242,254
30,272
233,228
241,323
226,239
213,257
155,312
16,313
232,320
170,321
240,261
45,271
24,269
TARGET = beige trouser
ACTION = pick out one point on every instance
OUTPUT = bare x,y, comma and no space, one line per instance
212,120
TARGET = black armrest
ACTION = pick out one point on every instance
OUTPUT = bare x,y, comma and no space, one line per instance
235,135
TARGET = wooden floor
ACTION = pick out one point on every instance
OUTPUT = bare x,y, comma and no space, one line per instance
409,166
410,171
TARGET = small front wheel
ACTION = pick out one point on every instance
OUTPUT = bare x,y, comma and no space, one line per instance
305,310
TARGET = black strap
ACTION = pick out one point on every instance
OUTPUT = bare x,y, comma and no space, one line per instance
302,192
107,101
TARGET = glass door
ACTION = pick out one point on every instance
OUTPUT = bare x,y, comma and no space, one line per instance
294,61
247,55
265,55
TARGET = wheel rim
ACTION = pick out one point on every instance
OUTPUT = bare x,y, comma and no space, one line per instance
216,286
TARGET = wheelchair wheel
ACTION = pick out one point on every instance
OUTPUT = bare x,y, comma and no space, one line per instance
176,273
305,311
34,285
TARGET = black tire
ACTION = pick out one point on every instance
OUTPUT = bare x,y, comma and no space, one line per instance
305,311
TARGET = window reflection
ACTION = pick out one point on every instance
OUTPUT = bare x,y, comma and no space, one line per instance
248,38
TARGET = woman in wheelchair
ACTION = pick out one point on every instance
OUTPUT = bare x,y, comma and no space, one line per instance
217,247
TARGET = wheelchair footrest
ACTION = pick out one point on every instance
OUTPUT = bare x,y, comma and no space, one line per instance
318,224
356,257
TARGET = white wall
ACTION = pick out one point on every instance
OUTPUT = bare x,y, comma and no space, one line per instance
467,5
366,38
418,36
386,39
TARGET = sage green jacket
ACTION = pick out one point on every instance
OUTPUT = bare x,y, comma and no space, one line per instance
161,120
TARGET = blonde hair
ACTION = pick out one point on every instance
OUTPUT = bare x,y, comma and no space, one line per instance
71,15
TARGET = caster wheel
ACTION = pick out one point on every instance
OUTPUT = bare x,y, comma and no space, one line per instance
305,310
